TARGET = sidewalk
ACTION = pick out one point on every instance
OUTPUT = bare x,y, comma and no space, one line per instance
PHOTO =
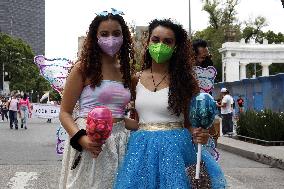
270,155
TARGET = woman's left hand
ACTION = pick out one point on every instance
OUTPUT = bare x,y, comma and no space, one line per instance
131,124
200,135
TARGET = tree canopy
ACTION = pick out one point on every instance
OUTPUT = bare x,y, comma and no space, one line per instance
224,25
17,57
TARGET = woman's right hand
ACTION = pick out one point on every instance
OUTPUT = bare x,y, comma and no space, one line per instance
93,147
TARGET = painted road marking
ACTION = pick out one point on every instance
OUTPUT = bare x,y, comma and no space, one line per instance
21,180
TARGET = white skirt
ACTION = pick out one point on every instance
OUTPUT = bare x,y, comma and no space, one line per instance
93,173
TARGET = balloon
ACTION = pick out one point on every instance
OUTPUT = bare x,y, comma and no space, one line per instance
202,110
205,77
99,124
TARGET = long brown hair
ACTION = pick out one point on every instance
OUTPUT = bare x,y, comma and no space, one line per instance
183,85
91,65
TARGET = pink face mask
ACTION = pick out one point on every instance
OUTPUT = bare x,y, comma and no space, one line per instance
110,45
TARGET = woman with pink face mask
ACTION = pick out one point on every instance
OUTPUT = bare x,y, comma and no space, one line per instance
101,77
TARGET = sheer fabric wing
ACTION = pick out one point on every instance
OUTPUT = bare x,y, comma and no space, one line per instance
55,71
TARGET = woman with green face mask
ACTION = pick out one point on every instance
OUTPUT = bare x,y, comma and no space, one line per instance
163,145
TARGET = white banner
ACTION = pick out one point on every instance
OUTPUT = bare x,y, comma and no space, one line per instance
46,111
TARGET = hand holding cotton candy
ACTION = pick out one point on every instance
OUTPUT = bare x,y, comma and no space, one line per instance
202,114
99,124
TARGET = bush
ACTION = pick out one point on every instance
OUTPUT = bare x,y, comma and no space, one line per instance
264,125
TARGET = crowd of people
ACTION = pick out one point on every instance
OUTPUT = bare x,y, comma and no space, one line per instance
153,147
15,106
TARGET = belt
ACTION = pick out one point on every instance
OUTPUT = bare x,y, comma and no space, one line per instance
160,126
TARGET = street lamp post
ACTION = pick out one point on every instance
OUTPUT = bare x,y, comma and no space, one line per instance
37,97
7,59
32,95
3,76
3,71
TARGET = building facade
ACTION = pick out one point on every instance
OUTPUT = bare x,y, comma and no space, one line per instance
25,20
237,55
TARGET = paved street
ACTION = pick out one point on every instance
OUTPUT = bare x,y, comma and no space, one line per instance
28,160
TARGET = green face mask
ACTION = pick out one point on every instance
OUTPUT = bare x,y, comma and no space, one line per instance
160,52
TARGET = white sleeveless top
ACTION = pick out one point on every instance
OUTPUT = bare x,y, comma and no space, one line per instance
152,107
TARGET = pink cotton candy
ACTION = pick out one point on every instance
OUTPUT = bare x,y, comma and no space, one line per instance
99,124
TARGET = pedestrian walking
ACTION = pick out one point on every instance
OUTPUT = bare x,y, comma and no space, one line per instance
51,103
226,112
4,109
13,107
25,110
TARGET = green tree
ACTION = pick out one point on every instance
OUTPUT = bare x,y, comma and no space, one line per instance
253,29
225,26
222,23
221,13
17,57
254,32
274,38
54,95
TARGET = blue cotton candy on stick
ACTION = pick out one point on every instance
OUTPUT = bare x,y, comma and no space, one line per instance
202,111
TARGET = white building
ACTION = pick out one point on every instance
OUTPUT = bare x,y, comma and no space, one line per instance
236,55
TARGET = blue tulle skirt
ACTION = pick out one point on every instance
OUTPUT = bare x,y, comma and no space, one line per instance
157,160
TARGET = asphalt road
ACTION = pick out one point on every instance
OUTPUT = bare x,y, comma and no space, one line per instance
28,160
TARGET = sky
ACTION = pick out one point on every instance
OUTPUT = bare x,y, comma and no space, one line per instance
66,20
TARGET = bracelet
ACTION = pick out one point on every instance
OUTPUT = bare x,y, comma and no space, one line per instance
74,140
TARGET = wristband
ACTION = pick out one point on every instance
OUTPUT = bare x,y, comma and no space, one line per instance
74,140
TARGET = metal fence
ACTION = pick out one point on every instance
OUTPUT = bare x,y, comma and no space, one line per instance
258,94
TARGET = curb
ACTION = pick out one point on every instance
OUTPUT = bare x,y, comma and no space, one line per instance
262,158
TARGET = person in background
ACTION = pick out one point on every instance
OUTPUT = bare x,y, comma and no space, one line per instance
202,56
51,103
233,104
25,110
203,59
219,102
240,102
226,111
4,109
13,110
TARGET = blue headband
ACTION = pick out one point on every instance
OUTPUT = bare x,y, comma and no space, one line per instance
113,12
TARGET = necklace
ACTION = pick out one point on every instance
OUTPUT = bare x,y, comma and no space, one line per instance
156,86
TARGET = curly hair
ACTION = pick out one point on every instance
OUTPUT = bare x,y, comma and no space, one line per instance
183,84
90,58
